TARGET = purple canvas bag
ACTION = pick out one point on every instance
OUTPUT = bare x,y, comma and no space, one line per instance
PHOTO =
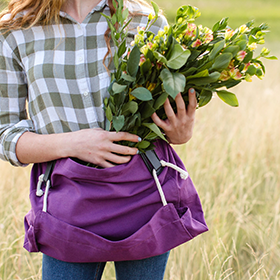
84,214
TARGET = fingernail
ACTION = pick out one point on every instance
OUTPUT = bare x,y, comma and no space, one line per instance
139,139
192,90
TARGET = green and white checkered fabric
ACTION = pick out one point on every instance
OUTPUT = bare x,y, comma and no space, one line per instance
58,71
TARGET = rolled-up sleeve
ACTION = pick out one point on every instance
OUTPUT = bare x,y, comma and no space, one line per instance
13,95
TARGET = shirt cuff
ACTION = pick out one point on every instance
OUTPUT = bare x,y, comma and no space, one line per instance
8,144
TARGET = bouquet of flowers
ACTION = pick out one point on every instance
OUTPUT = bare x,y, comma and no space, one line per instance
182,56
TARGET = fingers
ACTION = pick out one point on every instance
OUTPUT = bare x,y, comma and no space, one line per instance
159,122
123,136
178,127
192,102
181,106
99,146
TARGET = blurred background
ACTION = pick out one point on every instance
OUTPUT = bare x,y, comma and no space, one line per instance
233,159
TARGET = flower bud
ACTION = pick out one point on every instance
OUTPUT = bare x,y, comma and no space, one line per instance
241,55
243,28
235,74
265,52
224,76
229,33
252,46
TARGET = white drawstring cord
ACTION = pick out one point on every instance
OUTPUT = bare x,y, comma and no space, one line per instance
183,173
39,191
48,185
162,196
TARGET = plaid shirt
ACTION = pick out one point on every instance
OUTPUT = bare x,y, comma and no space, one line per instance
59,71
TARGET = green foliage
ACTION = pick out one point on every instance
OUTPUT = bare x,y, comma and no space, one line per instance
183,55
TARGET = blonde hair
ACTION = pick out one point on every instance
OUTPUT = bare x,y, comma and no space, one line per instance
27,13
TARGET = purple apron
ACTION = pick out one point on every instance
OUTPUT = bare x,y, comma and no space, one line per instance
113,214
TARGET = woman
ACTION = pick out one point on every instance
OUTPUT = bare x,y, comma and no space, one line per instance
51,56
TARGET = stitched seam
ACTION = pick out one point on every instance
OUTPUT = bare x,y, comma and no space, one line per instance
97,271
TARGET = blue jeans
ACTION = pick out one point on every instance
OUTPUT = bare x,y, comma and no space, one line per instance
147,269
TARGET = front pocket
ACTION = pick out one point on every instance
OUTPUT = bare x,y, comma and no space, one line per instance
69,243
30,243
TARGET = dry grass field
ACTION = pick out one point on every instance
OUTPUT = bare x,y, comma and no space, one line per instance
234,161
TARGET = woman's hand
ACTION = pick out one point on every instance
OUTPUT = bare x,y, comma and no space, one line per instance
97,146
90,145
178,127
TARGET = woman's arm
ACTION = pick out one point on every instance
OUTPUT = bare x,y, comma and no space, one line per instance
91,145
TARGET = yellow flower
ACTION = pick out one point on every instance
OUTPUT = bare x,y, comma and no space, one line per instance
252,46
229,33
235,74
224,75
150,86
243,28
248,78
131,97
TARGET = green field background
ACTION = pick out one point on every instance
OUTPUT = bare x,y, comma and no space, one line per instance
233,159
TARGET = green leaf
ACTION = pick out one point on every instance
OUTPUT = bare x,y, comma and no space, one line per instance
153,127
216,49
200,74
248,57
189,71
232,49
178,57
213,77
151,136
205,97
109,114
156,8
228,97
231,83
143,144
271,57
122,48
220,25
128,77
160,57
251,70
242,44
173,82
107,17
142,93
125,14
133,61
160,100
146,66
118,122
222,61
116,61
147,110
130,107
117,88
131,122
114,19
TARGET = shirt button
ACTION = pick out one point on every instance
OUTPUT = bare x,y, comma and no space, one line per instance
86,93
80,58
79,26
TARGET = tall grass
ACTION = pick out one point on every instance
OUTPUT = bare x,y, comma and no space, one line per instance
234,161
238,11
